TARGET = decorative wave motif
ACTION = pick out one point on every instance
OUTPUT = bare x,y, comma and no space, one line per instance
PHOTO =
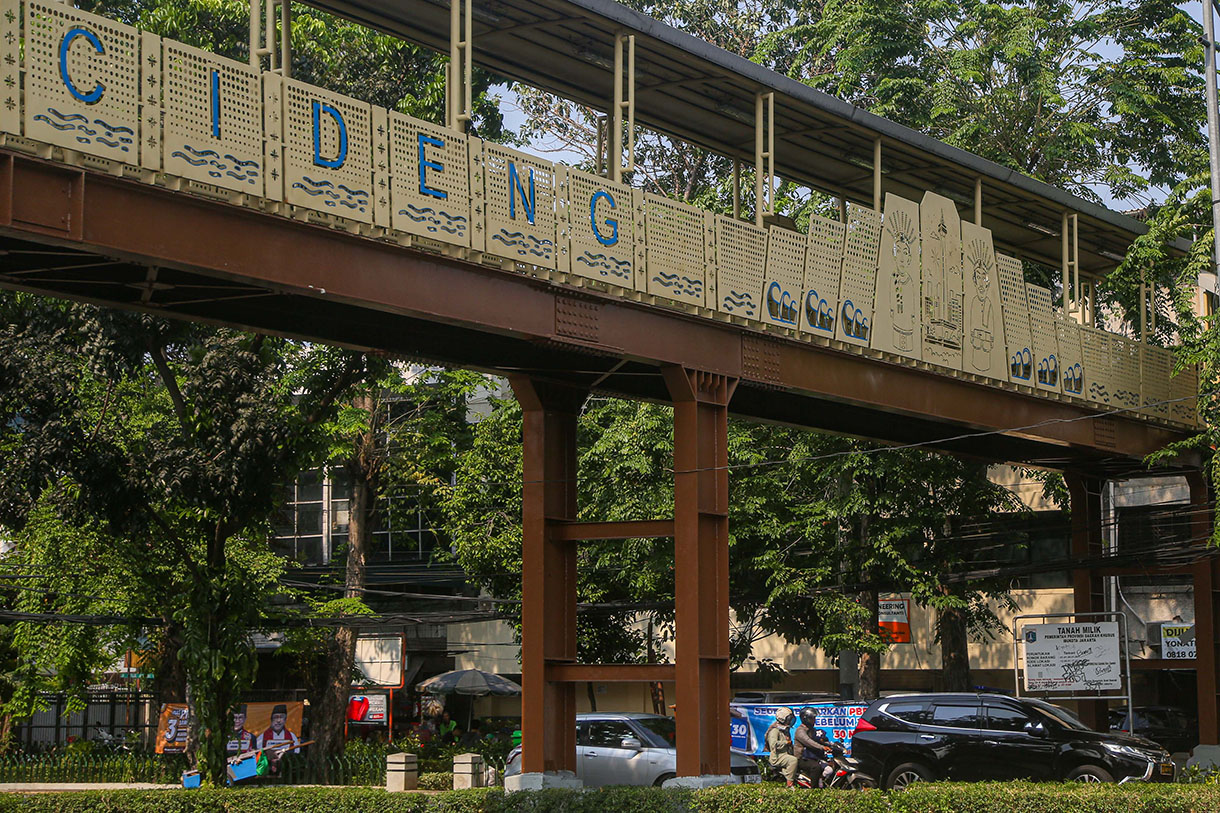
526,243
436,219
1098,392
606,265
679,284
357,199
781,306
736,301
1127,398
115,137
231,165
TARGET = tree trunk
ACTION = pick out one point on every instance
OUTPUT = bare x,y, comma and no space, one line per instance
329,713
870,662
592,695
954,656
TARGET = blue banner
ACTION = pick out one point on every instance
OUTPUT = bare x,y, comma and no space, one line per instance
748,723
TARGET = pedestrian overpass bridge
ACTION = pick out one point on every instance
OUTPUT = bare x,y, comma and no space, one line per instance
140,172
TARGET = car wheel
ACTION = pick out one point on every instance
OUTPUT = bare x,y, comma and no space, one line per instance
663,778
1089,773
907,774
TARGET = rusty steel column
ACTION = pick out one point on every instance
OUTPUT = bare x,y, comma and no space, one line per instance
1088,589
701,569
1205,584
548,573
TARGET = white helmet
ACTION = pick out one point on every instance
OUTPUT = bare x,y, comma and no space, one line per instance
784,716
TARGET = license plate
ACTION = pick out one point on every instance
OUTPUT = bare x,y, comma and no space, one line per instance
1166,769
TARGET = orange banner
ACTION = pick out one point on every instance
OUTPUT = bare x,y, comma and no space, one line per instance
172,728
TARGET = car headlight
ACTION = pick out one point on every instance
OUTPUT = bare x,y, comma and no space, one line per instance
1127,750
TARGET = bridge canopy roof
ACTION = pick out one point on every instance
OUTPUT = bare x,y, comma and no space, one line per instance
690,89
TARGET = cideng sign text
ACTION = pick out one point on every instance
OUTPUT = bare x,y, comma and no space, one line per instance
918,285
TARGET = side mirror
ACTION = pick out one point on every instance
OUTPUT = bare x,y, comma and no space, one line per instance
1035,729
631,744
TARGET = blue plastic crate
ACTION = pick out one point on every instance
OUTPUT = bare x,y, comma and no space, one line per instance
191,779
245,767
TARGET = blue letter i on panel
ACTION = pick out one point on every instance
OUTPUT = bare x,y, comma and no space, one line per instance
215,103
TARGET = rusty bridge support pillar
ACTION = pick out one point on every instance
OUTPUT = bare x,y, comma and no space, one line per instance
548,581
1207,623
1088,588
701,566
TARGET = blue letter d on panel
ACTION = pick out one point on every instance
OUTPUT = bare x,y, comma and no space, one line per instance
333,163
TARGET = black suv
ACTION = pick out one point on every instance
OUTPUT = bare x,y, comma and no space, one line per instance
917,737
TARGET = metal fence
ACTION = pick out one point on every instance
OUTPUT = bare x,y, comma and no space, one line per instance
61,767
167,769
112,712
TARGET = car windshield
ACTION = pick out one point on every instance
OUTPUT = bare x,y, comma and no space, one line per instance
660,730
1058,714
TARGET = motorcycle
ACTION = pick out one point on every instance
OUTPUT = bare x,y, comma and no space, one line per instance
846,774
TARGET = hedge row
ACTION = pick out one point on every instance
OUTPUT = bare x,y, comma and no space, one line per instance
932,798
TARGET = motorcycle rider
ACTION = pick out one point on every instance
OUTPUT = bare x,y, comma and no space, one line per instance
779,745
813,748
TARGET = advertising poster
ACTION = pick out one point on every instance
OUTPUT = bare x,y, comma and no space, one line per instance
1178,641
894,619
367,708
264,725
1072,657
172,727
748,723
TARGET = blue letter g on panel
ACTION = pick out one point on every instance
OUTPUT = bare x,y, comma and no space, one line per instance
64,45
611,222
333,163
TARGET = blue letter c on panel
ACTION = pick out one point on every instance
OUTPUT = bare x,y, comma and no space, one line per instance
94,95
333,163
612,223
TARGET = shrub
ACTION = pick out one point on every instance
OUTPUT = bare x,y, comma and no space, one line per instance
1012,797
436,780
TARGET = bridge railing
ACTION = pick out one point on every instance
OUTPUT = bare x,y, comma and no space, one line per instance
916,286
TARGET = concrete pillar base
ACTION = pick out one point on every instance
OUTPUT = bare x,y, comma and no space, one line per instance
1205,756
701,782
539,781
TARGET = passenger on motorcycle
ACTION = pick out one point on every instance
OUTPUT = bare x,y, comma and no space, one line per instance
813,748
779,744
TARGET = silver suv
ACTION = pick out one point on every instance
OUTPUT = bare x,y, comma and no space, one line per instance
622,748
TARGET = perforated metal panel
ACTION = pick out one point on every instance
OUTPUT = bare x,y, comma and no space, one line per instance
1071,356
1047,372
1154,385
785,277
324,128
677,245
90,99
520,204
273,136
151,109
1125,372
1017,338
213,128
1184,390
897,327
741,252
602,229
823,270
984,352
1098,374
429,180
10,57
858,282
940,230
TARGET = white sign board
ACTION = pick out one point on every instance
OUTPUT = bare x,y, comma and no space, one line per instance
1072,657
380,659
1178,641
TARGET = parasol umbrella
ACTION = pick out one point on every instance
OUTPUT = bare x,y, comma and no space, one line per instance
472,682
